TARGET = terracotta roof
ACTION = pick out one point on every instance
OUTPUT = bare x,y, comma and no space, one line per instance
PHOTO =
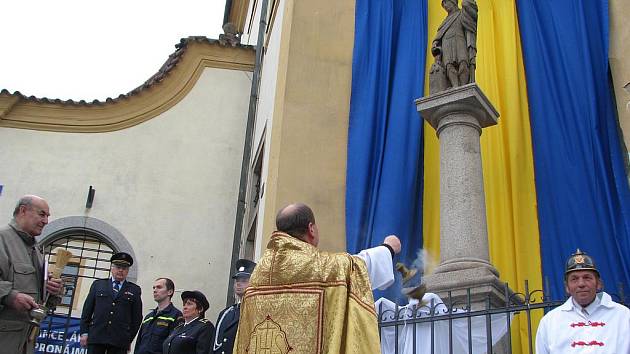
171,62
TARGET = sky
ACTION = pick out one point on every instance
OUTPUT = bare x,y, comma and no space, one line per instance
94,49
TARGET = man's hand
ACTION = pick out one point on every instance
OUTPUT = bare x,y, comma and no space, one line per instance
54,286
393,242
23,302
83,341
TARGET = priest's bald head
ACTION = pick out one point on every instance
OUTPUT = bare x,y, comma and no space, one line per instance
298,220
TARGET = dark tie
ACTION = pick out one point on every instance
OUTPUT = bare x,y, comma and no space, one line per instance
116,287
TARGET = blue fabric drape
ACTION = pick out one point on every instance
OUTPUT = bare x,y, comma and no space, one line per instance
384,168
583,195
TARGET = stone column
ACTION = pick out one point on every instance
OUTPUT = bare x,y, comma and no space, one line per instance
458,115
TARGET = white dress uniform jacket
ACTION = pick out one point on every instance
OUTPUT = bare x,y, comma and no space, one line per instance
604,327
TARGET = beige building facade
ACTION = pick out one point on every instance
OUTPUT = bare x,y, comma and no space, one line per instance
302,119
620,66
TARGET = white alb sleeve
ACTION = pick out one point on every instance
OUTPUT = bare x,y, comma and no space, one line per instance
380,266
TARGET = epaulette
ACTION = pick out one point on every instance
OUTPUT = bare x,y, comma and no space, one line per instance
203,320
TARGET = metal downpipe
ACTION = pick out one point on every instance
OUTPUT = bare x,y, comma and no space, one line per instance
247,149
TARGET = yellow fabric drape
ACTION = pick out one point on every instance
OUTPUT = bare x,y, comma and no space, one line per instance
508,167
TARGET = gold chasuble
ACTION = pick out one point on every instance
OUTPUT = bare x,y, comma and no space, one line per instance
305,301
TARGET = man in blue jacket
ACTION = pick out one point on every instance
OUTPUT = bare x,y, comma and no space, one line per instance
158,323
227,323
112,311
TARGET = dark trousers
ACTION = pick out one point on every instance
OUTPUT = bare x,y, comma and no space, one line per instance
105,349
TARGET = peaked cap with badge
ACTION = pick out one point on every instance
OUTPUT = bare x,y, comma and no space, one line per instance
244,268
122,259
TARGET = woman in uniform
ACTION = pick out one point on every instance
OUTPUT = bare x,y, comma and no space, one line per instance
195,335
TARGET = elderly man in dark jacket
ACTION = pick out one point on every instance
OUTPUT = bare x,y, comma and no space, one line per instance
112,311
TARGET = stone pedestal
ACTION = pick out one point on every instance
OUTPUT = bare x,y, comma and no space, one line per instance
458,115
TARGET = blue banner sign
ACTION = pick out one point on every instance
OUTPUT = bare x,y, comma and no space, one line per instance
59,334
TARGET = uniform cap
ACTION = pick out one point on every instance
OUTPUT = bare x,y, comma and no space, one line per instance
244,268
122,259
197,295
580,261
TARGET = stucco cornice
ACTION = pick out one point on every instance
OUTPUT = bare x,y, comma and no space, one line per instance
162,91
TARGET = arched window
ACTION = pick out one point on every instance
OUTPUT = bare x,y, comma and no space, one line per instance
92,243
90,261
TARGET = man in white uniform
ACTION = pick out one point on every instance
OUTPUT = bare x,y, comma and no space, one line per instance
588,322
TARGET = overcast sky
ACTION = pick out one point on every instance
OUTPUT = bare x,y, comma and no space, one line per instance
94,49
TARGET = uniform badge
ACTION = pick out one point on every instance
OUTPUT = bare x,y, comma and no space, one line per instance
579,259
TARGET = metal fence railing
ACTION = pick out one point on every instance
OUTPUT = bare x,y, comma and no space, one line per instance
453,325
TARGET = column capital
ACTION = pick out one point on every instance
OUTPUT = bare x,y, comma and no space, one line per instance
467,100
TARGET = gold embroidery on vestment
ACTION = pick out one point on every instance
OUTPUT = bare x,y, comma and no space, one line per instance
268,338
313,301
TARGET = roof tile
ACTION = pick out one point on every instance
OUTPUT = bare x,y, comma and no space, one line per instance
171,62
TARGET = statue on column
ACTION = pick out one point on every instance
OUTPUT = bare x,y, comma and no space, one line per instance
454,47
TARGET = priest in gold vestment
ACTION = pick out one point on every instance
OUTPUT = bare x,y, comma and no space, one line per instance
305,301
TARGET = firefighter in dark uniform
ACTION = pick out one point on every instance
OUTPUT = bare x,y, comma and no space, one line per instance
193,335
227,322
112,311
161,321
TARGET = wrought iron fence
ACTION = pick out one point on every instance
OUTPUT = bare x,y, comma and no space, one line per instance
462,324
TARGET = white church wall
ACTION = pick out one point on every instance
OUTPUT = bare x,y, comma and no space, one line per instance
169,185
